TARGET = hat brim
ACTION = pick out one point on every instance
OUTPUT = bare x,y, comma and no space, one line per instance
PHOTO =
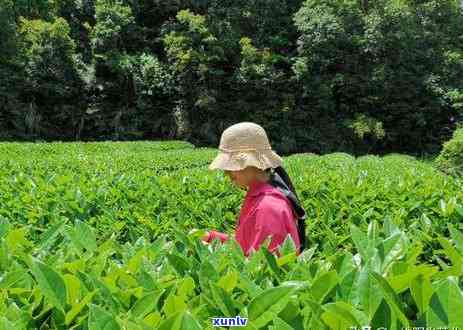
240,160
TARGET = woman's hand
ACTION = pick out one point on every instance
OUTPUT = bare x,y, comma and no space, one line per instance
199,233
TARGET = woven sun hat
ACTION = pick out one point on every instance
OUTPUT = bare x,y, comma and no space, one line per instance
242,145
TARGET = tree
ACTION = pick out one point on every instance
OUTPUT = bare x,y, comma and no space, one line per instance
80,15
194,51
11,69
53,81
33,9
386,64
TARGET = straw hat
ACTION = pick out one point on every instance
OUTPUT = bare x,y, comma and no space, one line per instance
242,145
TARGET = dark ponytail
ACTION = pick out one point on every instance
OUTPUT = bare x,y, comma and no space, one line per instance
281,180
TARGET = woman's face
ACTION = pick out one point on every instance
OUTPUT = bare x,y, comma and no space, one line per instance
244,178
238,178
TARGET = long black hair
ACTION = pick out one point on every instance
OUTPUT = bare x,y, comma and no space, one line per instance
281,180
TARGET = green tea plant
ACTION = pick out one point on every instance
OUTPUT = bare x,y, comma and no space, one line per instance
95,236
450,160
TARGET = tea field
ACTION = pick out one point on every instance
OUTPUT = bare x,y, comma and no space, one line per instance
95,236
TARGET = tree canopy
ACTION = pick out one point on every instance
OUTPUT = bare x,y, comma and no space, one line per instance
319,75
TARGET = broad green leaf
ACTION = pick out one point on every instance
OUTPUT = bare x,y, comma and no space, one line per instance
338,314
446,304
384,317
279,324
389,227
288,246
77,308
186,287
73,288
47,238
50,283
345,265
222,299
249,286
86,235
134,263
104,291
390,249
457,238
455,257
372,233
100,319
361,241
270,257
145,305
345,289
414,252
180,321
174,304
12,279
16,239
390,297
422,291
229,281
180,263
367,293
263,308
443,207
401,282
152,319
286,259
5,324
146,280
207,272
323,285
290,312
73,236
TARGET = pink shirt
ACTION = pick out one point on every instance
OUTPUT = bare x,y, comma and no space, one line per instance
265,212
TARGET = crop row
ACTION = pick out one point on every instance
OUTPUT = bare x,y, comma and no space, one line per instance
101,243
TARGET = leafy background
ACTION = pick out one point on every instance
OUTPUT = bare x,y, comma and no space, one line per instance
356,76
94,236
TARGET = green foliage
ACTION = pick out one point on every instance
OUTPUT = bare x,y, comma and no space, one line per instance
195,55
34,9
80,16
11,70
8,41
153,77
132,103
320,76
450,160
256,65
359,60
39,36
93,235
114,21
193,47
363,125
50,75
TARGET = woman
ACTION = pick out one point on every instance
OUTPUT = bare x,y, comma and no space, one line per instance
270,208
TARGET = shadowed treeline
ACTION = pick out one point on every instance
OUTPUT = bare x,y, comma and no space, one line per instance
319,76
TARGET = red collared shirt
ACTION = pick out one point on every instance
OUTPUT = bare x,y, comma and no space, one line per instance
265,212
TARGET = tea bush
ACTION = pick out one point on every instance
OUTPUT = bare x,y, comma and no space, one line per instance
450,159
96,237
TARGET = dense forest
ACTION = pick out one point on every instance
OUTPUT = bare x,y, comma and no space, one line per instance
320,75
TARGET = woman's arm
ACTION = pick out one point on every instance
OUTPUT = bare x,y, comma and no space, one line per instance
210,236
